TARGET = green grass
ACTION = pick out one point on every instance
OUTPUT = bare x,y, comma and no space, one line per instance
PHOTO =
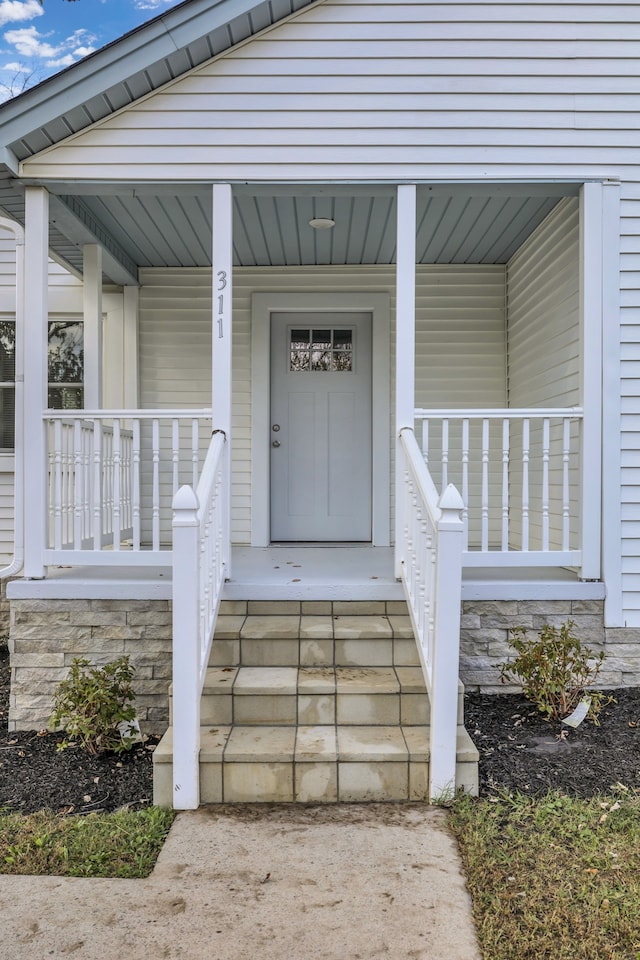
121,844
553,878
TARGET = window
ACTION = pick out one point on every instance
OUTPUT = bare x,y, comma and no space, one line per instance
330,350
65,372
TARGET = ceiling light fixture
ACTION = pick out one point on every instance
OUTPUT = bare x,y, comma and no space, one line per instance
322,223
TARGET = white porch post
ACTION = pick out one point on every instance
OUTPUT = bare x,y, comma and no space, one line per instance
611,405
35,376
591,248
405,333
92,309
222,265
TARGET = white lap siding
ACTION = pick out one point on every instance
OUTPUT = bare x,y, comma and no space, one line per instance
543,335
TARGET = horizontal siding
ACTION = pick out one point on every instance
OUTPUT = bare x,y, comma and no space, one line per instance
349,89
543,336
6,517
460,353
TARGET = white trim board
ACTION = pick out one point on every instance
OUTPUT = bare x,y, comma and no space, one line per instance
262,306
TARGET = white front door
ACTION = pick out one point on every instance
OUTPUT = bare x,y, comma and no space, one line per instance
320,429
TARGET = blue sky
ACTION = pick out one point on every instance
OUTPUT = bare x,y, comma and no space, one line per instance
37,41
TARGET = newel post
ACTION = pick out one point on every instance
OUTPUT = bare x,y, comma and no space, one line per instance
186,650
446,646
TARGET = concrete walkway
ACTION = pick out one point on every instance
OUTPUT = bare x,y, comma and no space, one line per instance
343,882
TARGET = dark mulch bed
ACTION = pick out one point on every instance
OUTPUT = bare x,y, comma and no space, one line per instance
34,775
519,751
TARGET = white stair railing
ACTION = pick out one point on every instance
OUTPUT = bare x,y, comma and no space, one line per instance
200,562
431,571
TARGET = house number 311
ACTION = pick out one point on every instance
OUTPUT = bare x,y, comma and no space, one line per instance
222,283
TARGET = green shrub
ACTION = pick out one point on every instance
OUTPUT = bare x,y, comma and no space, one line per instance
94,705
554,670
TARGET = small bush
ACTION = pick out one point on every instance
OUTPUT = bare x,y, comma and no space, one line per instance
95,706
554,670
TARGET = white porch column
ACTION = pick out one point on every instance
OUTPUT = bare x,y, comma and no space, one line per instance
92,309
611,406
222,265
405,332
131,297
591,253
35,376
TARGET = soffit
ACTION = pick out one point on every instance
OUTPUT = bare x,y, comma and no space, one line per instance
456,223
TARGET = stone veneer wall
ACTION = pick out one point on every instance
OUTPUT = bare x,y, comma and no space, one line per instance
45,636
4,609
485,629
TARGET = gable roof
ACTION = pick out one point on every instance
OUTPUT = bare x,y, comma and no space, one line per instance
139,62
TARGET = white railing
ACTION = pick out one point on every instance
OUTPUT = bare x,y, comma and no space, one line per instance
112,476
200,561
518,472
431,572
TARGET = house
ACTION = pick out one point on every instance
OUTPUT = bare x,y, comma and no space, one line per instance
356,384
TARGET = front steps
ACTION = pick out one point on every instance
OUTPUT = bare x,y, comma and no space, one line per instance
314,703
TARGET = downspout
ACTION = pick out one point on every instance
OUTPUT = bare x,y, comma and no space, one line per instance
18,463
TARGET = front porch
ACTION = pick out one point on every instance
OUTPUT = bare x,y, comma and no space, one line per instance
140,506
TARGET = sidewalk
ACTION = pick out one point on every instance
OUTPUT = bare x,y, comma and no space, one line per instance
345,882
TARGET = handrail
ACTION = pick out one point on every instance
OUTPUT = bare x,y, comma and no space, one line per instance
200,559
431,573
506,413
204,413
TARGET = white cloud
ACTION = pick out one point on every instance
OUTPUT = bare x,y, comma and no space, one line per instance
16,67
34,46
29,43
14,11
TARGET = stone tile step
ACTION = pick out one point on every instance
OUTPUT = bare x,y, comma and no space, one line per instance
286,640
313,764
319,695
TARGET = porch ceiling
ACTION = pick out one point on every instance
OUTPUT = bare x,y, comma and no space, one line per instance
146,226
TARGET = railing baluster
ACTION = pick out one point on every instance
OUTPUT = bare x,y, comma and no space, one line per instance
425,442
96,487
525,485
566,505
117,493
445,453
545,483
485,486
155,502
195,451
175,455
465,480
505,485
79,485
136,492
57,485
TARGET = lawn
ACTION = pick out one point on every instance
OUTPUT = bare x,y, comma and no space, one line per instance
553,877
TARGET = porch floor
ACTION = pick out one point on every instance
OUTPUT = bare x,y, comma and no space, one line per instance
306,572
